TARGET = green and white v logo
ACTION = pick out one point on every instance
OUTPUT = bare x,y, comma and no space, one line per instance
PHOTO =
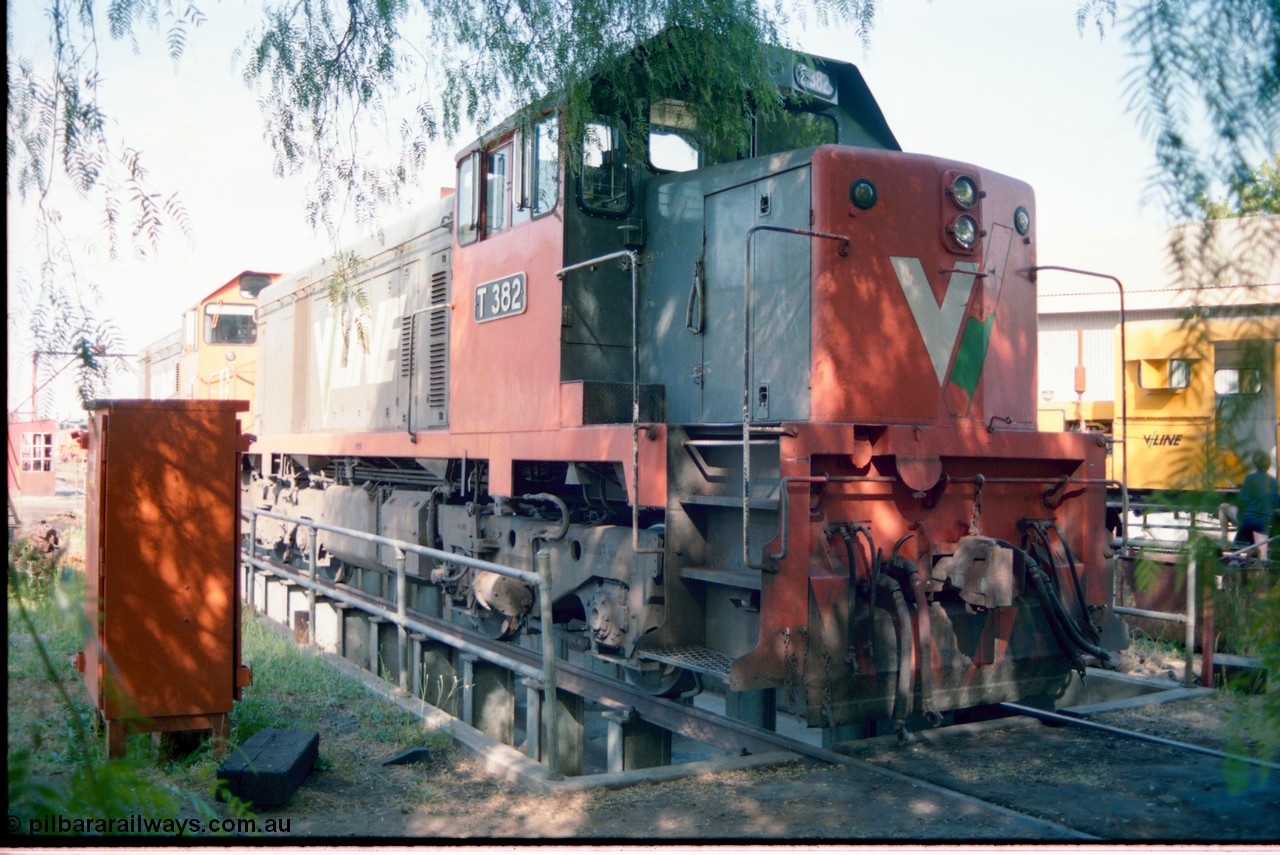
939,325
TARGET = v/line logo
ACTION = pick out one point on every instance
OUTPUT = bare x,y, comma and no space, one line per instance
939,325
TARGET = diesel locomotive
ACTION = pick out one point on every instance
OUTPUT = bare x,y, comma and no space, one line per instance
772,412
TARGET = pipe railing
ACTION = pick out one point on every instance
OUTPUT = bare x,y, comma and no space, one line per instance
545,677
1124,372
1189,617
632,260
746,376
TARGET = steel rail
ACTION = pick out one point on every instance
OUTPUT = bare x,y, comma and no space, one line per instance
1075,721
701,725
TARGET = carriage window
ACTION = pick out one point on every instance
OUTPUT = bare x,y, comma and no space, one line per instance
673,140
1236,381
792,130
229,323
497,192
604,184
468,219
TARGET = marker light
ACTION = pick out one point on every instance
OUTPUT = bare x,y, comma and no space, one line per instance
964,231
964,192
863,193
1022,221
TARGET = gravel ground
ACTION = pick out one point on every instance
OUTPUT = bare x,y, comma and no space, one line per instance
1055,782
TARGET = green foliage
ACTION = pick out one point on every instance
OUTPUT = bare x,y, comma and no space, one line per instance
46,626
1205,88
348,301
56,125
1253,194
323,66
33,572
1264,629
59,134
1211,61
55,765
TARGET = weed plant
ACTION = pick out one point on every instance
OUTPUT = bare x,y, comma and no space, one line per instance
56,765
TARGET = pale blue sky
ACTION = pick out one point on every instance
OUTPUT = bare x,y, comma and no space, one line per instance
1007,84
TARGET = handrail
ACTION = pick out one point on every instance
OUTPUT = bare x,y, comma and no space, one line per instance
1124,373
540,580
746,375
632,260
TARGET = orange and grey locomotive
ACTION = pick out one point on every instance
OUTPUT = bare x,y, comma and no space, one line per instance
772,412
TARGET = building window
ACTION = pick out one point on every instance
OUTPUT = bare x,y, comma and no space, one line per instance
37,452
1164,374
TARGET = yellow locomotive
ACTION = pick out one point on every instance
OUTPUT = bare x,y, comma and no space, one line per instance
1198,398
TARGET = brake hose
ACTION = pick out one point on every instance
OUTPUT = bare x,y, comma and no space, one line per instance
1075,580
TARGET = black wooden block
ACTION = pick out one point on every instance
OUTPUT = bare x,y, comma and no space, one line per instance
270,765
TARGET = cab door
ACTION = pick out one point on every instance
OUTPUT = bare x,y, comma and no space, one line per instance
1244,392
780,301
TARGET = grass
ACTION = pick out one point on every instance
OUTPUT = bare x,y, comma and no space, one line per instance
56,762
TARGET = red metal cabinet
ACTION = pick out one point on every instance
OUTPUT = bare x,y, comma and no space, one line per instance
162,563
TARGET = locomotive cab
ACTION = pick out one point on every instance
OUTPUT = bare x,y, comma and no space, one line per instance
213,355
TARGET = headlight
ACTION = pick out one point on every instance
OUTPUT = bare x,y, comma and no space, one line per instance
1022,221
964,192
964,231
863,193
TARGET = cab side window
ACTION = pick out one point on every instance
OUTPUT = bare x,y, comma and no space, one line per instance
468,218
545,160
510,183
497,190
604,181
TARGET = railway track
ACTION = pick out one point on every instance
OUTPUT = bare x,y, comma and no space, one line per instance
878,763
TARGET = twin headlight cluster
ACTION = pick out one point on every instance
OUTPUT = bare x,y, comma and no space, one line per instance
963,192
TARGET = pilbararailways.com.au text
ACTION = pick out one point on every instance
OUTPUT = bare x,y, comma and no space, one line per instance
136,824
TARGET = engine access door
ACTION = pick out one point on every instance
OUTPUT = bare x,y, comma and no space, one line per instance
780,300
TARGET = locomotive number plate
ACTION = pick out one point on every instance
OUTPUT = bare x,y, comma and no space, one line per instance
500,298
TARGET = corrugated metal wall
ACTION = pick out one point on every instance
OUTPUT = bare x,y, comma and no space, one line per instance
1059,350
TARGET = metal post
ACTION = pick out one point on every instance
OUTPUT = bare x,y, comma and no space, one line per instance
1188,674
253,548
542,562
402,633
533,718
313,560
1207,633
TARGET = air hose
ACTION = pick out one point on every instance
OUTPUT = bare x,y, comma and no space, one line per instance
902,701
1075,580
1064,627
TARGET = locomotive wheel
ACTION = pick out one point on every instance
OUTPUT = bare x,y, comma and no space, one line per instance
667,681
